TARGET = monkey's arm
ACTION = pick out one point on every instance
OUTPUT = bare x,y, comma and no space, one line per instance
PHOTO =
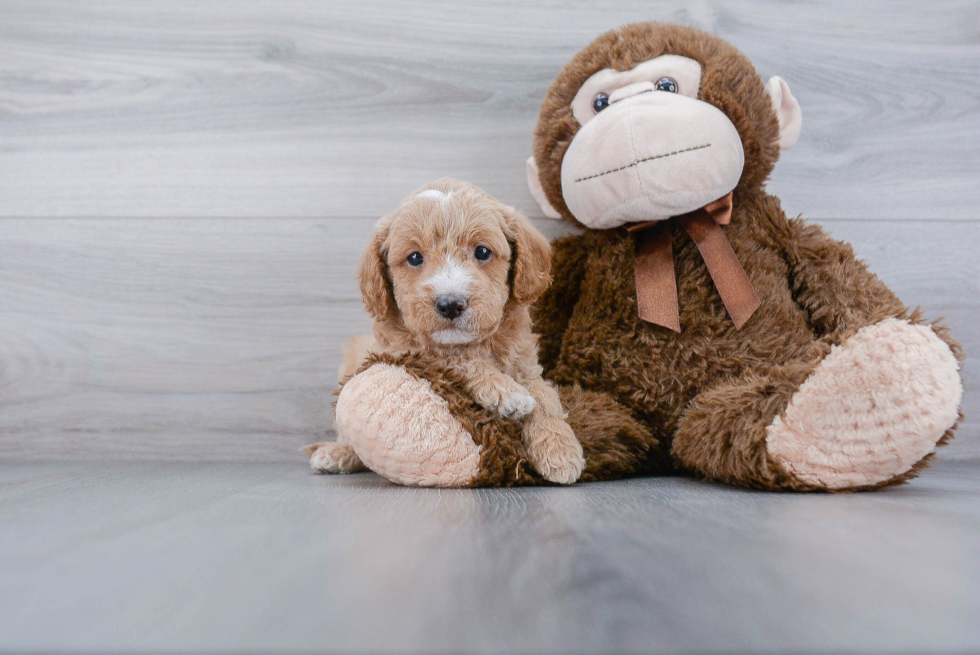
836,289
554,308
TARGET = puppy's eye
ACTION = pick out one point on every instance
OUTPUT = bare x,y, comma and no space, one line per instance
482,253
600,102
668,84
415,259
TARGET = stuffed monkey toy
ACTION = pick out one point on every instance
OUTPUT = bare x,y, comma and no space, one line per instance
691,326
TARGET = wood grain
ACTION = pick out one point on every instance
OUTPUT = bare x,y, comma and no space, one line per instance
103,557
156,335
220,338
315,109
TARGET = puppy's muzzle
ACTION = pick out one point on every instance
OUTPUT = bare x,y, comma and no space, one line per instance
450,306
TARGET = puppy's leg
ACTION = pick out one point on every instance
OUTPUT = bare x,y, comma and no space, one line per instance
355,352
333,457
498,391
337,456
551,445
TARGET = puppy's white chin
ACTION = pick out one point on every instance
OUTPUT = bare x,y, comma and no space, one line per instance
452,336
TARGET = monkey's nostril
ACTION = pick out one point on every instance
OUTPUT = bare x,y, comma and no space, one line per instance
450,306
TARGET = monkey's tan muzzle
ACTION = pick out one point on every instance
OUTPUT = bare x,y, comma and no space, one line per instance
650,156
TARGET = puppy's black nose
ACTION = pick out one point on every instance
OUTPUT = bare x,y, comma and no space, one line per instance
450,306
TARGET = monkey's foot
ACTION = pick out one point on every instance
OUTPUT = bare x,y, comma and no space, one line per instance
871,410
401,429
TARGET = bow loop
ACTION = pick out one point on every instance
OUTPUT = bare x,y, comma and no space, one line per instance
720,210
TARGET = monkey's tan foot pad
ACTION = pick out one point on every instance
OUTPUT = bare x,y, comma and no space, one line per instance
402,430
871,410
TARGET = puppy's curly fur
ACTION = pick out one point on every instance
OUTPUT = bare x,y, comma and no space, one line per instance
449,276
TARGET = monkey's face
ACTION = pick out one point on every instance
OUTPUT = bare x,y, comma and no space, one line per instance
622,138
648,149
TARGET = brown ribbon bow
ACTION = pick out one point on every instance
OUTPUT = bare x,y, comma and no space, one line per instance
656,286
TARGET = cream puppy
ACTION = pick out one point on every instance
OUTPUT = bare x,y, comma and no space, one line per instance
451,274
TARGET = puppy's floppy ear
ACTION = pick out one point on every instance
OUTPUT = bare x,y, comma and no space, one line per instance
531,259
373,276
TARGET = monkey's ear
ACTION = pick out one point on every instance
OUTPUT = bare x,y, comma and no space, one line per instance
373,277
531,258
787,111
534,183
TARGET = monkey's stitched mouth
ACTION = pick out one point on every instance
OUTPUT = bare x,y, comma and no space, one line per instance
640,161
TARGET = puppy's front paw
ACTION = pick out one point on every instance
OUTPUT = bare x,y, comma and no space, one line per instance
516,404
508,398
333,457
554,450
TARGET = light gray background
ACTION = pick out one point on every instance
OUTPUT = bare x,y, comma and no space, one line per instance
185,189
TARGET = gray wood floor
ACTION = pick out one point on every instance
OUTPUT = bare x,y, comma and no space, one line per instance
268,557
184,191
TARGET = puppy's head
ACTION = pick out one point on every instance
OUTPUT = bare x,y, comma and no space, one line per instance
447,264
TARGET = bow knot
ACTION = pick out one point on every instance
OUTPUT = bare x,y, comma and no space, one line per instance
656,286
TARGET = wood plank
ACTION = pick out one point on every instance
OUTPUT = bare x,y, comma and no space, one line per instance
267,557
220,338
316,109
168,334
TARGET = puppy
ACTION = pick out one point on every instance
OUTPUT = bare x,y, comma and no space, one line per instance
451,274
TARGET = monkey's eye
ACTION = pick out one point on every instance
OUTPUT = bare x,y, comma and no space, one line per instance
482,253
600,102
667,84
415,259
